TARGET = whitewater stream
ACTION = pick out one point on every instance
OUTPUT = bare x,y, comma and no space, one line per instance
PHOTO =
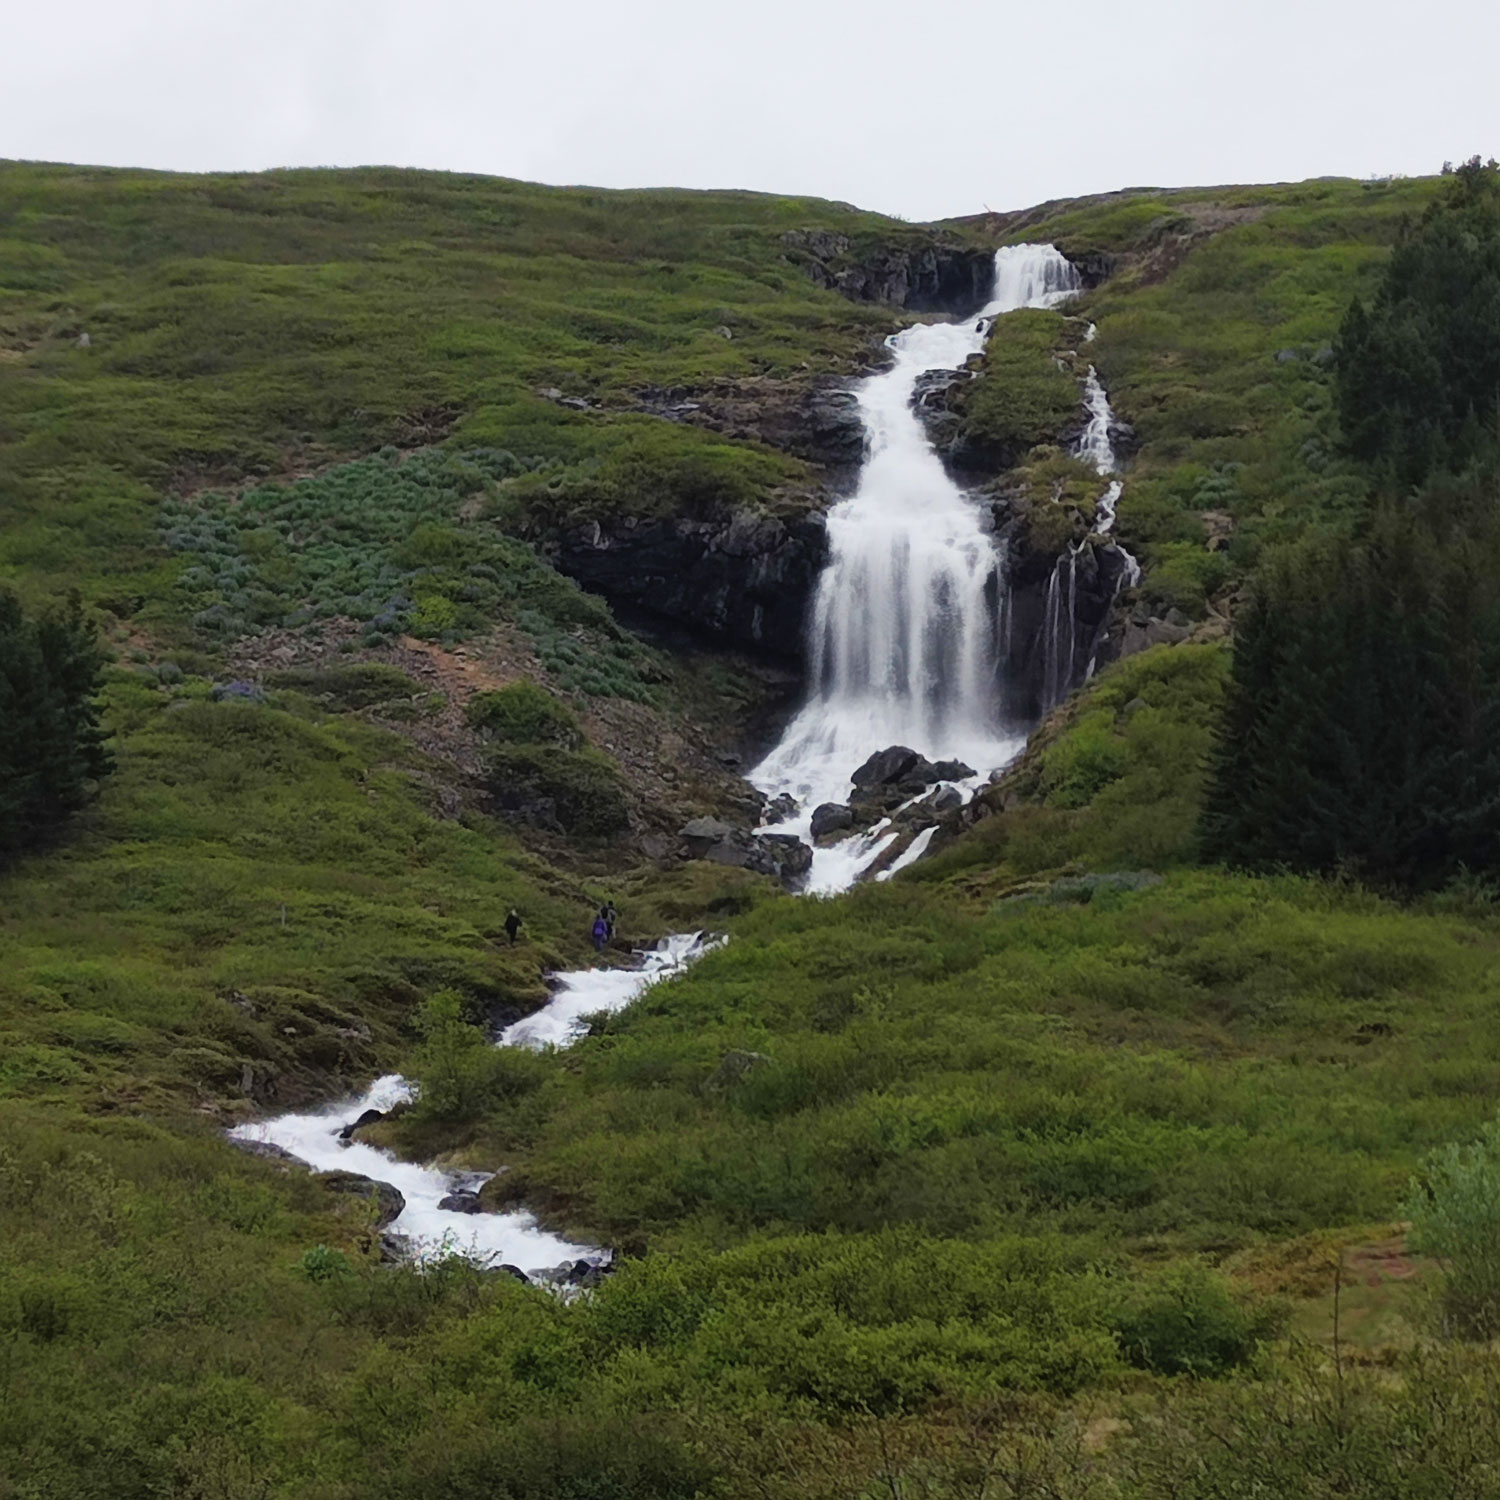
426,1229
909,612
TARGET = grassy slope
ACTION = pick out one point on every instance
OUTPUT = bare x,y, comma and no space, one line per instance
260,324
984,1120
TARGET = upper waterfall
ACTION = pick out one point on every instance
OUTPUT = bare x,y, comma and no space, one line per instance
903,639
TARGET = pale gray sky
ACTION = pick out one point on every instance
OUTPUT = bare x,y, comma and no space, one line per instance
921,110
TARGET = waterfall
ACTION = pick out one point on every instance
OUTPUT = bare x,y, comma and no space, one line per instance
1060,623
908,613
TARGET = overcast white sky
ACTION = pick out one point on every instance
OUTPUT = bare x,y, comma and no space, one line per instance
924,110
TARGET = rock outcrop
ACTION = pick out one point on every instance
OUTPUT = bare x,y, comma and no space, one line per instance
933,273
748,578
814,418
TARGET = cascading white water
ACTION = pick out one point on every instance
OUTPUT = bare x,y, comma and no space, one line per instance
1060,621
909,609
429,1230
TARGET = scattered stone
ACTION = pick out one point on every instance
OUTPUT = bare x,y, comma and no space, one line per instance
84,340
705,830
1287,356
724,331
462,1201
1133,707
831,817
1325,356
514,1272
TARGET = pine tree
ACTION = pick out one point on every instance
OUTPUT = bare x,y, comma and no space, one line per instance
51,746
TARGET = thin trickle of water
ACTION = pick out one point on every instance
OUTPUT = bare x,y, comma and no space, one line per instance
1060,622
904,640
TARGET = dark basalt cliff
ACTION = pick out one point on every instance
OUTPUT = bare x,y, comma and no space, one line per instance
748,578
935,274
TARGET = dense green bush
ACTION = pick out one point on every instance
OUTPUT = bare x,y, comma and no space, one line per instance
579,791
1190,1321
460,1073
51,747
1454,1208
525,714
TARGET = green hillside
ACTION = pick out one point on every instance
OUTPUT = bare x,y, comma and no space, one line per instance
1062,1165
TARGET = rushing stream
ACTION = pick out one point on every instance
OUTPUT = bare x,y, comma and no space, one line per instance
426,1228
909,612
908,627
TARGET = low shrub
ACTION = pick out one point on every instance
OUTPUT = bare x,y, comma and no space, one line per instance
1454,1208
358,685
579,791
522,713
1190,1321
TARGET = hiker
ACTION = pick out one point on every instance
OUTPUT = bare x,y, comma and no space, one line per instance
512,925
611,916
601,932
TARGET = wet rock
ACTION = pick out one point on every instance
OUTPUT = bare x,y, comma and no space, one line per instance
748,578
953,770
462,1201
831,817
779,809
781,855
895,763
947,799
386,1200
369,1117
793,857
515,1272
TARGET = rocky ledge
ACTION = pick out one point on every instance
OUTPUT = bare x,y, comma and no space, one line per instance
748,578
931,273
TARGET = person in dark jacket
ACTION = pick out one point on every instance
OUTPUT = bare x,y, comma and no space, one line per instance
513,925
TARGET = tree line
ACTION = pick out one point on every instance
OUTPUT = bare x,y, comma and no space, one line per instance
1360,730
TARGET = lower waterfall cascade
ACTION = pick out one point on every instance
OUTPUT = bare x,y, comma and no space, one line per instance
911,615
427,1228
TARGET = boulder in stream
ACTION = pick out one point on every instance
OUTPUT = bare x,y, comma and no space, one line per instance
461,1201
386,1199
369,1117
831,817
